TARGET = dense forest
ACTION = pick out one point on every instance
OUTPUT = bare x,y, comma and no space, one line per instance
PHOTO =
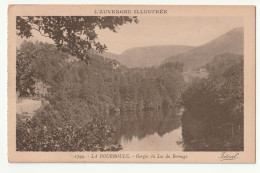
80,95
87,102
213,118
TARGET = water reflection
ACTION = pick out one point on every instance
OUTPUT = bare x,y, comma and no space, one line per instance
154,130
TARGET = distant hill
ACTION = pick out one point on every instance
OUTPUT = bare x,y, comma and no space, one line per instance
147,56
230,42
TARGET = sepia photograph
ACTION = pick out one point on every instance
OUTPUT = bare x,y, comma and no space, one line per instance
131,80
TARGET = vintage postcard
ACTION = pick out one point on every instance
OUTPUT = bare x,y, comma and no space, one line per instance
131,83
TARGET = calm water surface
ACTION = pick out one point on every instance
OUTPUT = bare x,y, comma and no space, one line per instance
154,130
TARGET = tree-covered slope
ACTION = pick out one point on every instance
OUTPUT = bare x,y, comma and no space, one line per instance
80,95
214,108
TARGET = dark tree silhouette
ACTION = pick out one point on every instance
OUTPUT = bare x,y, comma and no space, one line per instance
76,34
72,34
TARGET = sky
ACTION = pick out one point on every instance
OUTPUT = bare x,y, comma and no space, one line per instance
151,31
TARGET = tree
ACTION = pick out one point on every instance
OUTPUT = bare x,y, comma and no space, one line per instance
75,34
36,62
72,34
214,108
25,70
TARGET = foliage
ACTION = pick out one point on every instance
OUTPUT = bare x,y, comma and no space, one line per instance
79,93
76,34
46,133
24,74
32,61
213,119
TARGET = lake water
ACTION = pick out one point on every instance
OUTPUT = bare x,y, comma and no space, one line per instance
154,130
